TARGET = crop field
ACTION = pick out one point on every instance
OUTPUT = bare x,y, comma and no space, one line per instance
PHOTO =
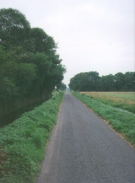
123,100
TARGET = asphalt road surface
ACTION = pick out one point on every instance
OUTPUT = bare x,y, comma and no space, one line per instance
83,149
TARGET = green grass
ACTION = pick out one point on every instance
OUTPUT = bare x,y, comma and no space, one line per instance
22,143
115,99
123,122
119,104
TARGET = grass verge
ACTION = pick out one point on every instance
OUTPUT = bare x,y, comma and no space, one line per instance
115,99
22,143
122,122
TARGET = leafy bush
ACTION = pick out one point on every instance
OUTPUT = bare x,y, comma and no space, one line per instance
22,143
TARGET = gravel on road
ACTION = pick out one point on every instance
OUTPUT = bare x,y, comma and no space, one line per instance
84,149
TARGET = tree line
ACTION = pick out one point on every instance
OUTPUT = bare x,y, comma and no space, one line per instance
91,81
63,87
30,67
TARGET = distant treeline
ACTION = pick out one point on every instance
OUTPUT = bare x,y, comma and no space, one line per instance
30,68
91,81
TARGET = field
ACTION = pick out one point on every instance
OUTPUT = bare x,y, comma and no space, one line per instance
123,100
106,106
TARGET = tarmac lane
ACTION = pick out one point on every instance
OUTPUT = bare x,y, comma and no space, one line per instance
84,149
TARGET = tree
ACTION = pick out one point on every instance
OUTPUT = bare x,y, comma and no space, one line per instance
129,81
108,83
14,28
90,81
86,81
40,39
62,87
119,81
30,68
93,80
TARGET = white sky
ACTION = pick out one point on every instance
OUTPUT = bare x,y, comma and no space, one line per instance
92,35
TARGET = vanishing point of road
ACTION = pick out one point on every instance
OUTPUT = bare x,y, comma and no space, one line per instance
84,149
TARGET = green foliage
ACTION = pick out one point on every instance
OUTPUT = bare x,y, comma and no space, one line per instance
87,81
42,42
22,143
37,69
91,81
14,28
30,68
62,87
121,121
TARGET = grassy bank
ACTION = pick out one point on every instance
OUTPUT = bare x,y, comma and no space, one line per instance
123,100
22,143
122,122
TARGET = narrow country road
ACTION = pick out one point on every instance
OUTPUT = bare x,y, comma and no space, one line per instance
83,149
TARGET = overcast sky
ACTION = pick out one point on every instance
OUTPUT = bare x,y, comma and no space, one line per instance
92,35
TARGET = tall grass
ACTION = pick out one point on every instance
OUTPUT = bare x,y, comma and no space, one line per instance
22,143
121,121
